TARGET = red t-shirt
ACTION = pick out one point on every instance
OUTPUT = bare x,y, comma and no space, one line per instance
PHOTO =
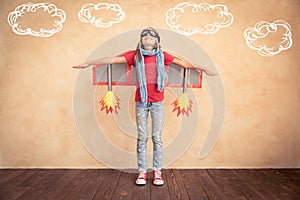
154,95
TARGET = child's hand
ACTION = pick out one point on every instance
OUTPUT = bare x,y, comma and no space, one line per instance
203,69
209,73
81,66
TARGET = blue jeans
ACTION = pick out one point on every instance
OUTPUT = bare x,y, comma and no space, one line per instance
156,110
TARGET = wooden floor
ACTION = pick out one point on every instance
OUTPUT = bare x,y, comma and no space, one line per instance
270,184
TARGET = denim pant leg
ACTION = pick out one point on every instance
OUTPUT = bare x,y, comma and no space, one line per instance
142,111
157,116
156,110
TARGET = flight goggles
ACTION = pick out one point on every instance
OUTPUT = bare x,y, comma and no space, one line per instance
150,32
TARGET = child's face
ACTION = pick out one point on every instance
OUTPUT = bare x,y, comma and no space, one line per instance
149,38
148,41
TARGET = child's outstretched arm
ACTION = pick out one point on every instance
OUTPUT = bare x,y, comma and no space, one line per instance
102,61
185,64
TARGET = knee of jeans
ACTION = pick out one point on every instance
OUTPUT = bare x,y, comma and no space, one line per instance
156,139
142,139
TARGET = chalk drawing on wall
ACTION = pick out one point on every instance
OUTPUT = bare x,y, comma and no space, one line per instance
269,39
101,15
36,19
189,18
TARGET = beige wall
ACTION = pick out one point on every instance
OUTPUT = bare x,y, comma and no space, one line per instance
261,127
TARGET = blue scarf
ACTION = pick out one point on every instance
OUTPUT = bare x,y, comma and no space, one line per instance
161,73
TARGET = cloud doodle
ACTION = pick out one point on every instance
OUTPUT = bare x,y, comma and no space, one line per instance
210,18
57,16
257,36
109,14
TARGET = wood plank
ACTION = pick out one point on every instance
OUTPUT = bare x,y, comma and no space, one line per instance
8,187
285,179
73,189
51,178
193,184
293,172
242,183
35,177
268,184
108,186
175,185
293,175
263,185
260,185
6,173
159,192
141,192
124,187
179,184
225,185
26,185
90,187
209,186
63,180
11,174
80,183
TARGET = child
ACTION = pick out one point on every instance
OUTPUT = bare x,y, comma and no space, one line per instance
150,63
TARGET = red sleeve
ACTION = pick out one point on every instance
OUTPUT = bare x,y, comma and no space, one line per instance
129,56
168,58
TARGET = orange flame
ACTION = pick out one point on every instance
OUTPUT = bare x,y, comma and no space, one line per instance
110,102
183,105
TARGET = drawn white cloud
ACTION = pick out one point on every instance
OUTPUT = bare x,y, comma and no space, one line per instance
221,18
15,16
88,12
263,30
